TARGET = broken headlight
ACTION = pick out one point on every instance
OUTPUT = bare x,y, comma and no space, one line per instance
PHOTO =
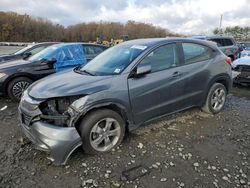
29,103
2,75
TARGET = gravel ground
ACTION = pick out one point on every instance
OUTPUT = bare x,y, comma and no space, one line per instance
188,149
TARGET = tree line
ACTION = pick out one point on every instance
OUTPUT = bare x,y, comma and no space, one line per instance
24,28
239,33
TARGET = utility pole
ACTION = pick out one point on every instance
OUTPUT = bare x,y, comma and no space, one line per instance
221,17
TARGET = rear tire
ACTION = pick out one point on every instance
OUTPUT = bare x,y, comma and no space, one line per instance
101,131
17,86
215,100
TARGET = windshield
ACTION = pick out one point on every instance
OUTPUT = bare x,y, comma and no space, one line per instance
47,53
114,60
23,50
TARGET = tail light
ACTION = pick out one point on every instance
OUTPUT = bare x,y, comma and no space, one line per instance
229,60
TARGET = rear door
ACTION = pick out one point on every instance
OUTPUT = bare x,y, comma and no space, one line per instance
160,91
197,59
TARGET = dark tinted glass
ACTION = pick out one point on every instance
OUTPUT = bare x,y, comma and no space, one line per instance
162,58
218,41
228,42
195,53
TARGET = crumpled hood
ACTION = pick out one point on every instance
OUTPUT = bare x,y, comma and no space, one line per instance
241,61
13,63
68,83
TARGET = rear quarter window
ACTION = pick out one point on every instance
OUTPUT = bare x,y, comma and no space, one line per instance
196,53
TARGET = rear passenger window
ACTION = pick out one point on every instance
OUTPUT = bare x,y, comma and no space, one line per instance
162,58
218,41
98,49
89,50
228,42
92,50
195,53
223,41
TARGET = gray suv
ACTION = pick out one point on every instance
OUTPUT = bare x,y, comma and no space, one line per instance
226,44
122,88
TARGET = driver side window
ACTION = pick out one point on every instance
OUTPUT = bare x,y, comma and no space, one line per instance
163,57
36,50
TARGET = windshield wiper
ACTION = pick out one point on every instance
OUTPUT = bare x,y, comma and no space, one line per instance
90,73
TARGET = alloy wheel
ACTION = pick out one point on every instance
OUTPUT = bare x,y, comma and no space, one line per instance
218,99
19,87
105,134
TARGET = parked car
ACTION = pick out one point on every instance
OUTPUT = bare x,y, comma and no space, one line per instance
26,52
226,44
241,70
17,75
122,88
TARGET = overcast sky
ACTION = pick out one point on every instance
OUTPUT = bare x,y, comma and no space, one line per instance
180,16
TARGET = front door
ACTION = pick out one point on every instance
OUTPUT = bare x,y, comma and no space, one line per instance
160,91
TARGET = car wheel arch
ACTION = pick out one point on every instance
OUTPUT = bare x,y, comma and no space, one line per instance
120,109
223,79
14,76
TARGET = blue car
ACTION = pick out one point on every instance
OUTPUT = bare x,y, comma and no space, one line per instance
17,75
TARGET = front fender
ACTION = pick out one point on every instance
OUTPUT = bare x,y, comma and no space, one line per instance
127,115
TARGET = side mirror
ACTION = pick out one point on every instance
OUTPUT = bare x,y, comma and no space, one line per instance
26,55
50,61
144,69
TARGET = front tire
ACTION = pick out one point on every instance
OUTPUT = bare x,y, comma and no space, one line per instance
101,131
216,98
17,86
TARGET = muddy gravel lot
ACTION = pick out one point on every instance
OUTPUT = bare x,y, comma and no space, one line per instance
188,149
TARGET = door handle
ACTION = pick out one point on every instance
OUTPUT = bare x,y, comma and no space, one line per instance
176,74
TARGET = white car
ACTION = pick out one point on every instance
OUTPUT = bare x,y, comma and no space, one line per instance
241,70
245,53
246,49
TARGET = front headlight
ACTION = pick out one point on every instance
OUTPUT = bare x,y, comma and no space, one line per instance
29,103
79,103
2,75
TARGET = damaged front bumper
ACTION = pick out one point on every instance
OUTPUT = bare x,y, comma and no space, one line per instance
241,76
58,141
